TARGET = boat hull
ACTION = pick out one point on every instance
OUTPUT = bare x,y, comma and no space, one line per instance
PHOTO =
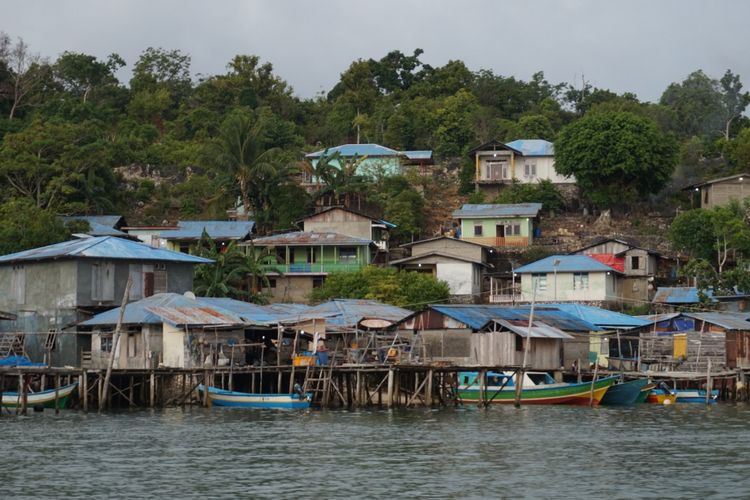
643,395
551,394
659,396
626,393
45,399
220,397
696,396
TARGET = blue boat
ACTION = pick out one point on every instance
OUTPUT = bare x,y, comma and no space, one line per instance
696,396
624,393
221,397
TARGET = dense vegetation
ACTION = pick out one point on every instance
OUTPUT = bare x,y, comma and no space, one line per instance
73,137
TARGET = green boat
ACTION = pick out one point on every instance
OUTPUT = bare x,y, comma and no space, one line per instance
539,388
45,399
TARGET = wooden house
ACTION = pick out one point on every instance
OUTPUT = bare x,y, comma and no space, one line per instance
719,192
498,225
348,222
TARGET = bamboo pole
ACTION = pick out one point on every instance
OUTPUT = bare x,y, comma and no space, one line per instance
593,383
708,382
115,342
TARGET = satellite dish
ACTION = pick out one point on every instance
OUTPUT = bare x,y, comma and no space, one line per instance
189,295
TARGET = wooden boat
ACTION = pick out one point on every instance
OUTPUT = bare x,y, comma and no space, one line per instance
661,396
624,393
645,391
45,399
221,397
538,388
696,396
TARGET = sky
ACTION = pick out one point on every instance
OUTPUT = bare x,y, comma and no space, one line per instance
638,46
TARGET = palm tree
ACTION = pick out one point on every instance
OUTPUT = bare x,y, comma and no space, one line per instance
242,154
259,262
224,277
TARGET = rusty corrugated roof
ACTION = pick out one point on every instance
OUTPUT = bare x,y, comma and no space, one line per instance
196,316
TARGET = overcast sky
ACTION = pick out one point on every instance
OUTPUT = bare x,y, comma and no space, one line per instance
635,45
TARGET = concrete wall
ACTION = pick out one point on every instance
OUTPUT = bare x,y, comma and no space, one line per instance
340,221
720,193
545,168
463,278
292,289
602,287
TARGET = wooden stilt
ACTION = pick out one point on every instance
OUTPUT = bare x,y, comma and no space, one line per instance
151,389
85,386
131,390
391,383
57,394
428,389
22,392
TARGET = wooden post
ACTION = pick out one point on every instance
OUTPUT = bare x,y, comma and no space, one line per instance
57,394
24,395
151,389
389,396
279,336
131,392
85,390
116,341
252,382
578,371
482,387
428,389
206,385
358,395
708,382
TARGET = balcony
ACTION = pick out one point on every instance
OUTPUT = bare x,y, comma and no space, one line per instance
314,268
506,242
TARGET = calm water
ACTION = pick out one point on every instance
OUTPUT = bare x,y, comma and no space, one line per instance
540,452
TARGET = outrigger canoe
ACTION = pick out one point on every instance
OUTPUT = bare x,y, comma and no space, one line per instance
538,388
45,399
221,397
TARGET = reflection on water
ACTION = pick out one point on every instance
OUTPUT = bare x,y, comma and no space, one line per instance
546,452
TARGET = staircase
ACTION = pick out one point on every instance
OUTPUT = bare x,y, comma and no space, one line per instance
11,344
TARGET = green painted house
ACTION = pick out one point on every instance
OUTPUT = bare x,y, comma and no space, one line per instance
499,225
306,257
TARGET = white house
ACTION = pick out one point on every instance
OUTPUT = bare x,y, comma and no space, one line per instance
568,278
524,160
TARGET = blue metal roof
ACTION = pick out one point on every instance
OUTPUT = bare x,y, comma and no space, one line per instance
359,150
102,247
728,321
477,316
100,225
533,147
565,264
680,295
216,229
470,211
602,318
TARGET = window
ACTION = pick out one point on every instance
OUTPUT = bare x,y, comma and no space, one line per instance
539,282
519,343
271,282
506,171
318,282
132,345
496,170
635,262
529,170
348,254
580,281
311,257
477,230
105,342
160,278
513,230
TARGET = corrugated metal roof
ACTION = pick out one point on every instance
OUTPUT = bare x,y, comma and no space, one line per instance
308,238
658,318
446,257
679,295
139,312
255,314
565,264
533,147
729,321
539,330
102,247
602,318
347,313
105,220
470,211
345,209
351,150
216,229
196,316
720,179
477,316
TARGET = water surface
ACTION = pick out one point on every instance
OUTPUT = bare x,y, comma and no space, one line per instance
649,451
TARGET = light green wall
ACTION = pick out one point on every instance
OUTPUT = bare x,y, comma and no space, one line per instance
488,226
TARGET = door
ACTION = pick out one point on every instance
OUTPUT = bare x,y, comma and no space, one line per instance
500,231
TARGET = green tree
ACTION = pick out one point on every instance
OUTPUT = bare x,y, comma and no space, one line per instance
691,233
82,74
454,132
386,284
543,192
23,225
615,156
225,276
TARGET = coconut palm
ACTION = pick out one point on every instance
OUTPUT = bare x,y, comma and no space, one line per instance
223,278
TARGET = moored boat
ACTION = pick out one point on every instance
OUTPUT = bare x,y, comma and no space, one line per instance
661,396
645,391
696,396
45,399
537,388
625,393
221,397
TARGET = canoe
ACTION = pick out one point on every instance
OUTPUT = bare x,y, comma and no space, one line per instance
45,399
661,396
536,391
221,397
644,393
625,393
696,396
